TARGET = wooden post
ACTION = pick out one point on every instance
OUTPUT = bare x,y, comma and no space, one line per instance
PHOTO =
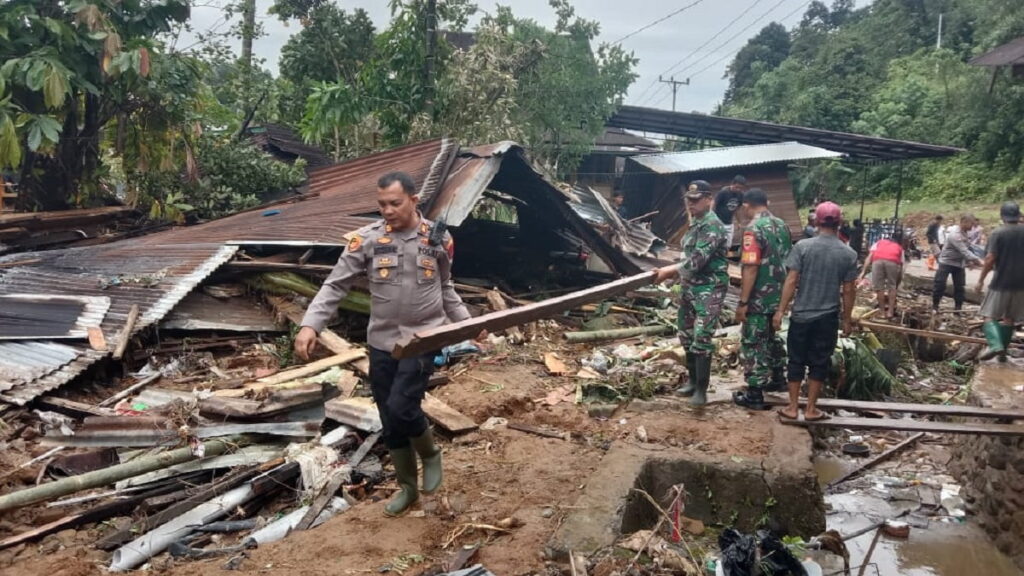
126,332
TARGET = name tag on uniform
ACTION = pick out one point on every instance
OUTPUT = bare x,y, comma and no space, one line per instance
385,249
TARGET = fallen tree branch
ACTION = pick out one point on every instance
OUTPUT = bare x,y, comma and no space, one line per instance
877,459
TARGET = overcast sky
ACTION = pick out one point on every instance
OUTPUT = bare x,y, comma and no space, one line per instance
697,43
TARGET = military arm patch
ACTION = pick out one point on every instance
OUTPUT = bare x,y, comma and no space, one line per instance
449,247
355,243
751,249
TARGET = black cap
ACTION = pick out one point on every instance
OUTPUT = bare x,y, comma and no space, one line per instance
698,189
1009,212
755,197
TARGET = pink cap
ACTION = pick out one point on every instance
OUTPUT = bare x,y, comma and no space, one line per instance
828,213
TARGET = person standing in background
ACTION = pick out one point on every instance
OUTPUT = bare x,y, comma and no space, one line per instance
953,261
885,262
727,202
1003,306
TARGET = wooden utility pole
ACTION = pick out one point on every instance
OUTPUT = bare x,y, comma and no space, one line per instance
428,67
675,87
248,32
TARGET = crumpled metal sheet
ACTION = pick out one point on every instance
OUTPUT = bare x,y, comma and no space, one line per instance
153,277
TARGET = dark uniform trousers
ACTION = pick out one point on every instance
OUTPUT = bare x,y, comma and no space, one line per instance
398,388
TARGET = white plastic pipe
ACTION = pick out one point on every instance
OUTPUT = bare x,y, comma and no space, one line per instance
136,552
280,528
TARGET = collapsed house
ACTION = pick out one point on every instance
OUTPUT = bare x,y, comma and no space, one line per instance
538,237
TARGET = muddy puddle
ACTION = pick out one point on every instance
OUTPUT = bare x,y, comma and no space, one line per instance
941,549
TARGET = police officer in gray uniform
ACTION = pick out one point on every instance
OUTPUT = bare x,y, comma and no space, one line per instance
411,286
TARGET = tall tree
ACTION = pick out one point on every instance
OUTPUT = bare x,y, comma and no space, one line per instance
762,53
69,69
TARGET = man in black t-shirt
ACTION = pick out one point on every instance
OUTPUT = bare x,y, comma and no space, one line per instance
1003,307
727,202
932,234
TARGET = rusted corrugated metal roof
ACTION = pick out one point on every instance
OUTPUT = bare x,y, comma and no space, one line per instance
731,157
154,277
626,236
344,192
1004,55
282,142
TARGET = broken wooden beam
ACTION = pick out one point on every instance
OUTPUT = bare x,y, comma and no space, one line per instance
313,368
908,425
126,332
77,409
95,514
437,338
327,338
321,501
497,302
929,409
877,459
447,417
539,431
146,381
932,334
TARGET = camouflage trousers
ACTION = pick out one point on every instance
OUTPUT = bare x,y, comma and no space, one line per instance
699,309
761,350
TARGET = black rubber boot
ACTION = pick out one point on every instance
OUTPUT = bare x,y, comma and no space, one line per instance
751,399
778,383
404,460
702,366
691,373
430,455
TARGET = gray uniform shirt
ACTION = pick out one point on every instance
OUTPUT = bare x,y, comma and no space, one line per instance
824,264
410,283
955,252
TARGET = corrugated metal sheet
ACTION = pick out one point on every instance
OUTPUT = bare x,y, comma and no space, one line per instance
345,191
35,316
626,236
1005,55
731,157
468,178
284,143
739,131
155,277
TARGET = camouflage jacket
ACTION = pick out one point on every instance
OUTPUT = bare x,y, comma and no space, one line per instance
766,243
703,262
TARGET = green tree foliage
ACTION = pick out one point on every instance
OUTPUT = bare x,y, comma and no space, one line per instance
876,70
545,88
333,45
229,176
764,52
70,68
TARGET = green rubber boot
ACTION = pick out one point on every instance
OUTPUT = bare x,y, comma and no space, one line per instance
430,455
702,365
691,372
994,336
1007,336
404,460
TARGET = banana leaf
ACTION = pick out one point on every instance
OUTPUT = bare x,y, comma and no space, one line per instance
289,283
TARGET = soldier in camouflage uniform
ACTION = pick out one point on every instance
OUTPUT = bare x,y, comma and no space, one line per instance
703,273
766,243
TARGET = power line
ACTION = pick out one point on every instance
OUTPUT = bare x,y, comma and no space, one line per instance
671,68
659,20
734,52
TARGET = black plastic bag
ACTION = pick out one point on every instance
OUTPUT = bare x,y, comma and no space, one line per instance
776,559
739,552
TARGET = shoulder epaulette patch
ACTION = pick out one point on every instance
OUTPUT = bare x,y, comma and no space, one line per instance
355,243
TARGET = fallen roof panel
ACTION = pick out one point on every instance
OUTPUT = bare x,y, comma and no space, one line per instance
731,157
36,316
740,131
155,278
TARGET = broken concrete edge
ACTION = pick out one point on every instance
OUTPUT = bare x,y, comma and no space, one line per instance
784,495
